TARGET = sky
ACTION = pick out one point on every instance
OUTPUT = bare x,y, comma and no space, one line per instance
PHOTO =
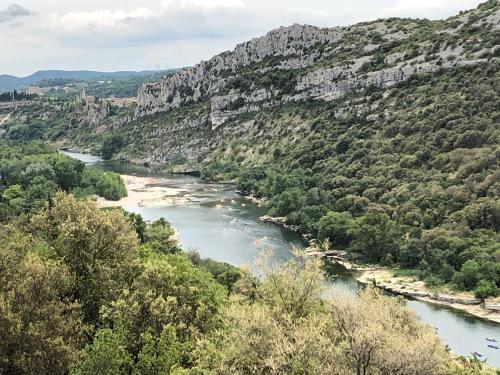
110,35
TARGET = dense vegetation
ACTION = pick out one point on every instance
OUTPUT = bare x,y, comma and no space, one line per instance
91,291
406,176
16,95
85,290
31,173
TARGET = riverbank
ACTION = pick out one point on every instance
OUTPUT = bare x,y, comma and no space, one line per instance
145,192
416,289
403,285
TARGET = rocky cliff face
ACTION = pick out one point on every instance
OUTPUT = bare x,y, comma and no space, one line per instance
302,63
209,78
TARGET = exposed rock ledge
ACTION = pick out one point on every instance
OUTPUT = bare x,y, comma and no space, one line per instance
417,290
280,220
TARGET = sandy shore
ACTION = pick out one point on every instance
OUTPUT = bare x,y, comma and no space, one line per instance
141,192
408,286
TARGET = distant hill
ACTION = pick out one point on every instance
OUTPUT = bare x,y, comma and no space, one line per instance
9,82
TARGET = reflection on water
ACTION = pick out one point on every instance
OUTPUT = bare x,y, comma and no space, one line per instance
222,225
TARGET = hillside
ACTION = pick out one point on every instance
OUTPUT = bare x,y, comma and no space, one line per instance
10,82
304,64
382,137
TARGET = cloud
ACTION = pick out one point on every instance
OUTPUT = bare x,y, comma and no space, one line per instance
141,34
201,4
12,12
102,18
172,21
437,8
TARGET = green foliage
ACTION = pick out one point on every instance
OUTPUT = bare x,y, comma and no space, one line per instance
40,329
281,326
164,313
111,145
486,289
375,235
335,226
25,132
160,237
105,184
106,355
419,178
31,173
98,247
468,276
224,273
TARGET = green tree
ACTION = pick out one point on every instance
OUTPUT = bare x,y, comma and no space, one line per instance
68,171
106,355
111,145
40,328
335,227
15,197
160,236
468,275
99,247
485,289
375,235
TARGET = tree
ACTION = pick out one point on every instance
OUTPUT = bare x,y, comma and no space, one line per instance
160,236
412,253
255,341
40,328
68,171
99,247
138,223
374,234
286,329
15,198
293,288
111,145
282,330
378,334
335,226
485,289
106,355
287,202
468,275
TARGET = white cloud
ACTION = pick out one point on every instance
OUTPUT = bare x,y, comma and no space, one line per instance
12,12
428,8
201,4
102,18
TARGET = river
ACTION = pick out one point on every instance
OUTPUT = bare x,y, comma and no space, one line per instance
224,226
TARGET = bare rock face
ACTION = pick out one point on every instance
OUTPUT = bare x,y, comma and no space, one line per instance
207,78
96,112
234,104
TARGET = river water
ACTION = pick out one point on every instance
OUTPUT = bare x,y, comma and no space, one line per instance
224,226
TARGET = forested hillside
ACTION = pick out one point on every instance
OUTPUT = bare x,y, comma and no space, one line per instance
416,183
